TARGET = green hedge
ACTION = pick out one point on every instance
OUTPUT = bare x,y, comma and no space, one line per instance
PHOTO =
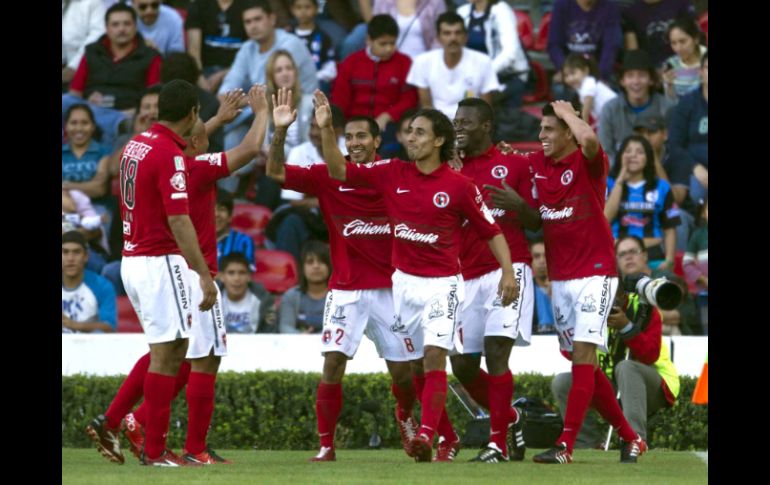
276,410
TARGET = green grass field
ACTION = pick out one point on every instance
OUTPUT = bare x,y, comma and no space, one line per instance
86,466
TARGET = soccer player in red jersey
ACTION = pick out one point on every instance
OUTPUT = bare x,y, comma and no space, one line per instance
570,178
360,301
484,324
208,338
427,203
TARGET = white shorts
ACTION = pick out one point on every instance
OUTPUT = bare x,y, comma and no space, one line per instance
483,315
581,308
210,332
349,315
160,291
426,308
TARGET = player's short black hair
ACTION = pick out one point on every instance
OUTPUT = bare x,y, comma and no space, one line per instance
263,4
484,110
119,7
176,99
442,127
179,65
74,237
313,248
637,239
548,111
235,258
84,107
374,128
382,25
225,200
449,18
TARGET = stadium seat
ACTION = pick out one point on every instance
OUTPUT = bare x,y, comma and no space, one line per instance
251,219
128,322
541,41
703,23
526,146
542,89
535,110
276,269
526,29
678,268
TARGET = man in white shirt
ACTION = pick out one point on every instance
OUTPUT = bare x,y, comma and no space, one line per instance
443,77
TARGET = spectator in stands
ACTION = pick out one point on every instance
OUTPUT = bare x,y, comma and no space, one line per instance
646,22
146,115
87,299
492,30
372,82
688,132
696,263
85,164
282,73
302,307
397,149
161,26
631,259
544,321
638,100
248,307
579,73
215,33
78,214
681,72
229,240
638,365
584,27
445,76
250,64
640,203
82,22
318,43
181,65
416,20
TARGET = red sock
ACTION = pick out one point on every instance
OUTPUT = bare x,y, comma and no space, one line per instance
433,400
129,393
419,385
578,400
605,402
500,394
405,398
200,407
140,415
478,388
158,393
327,406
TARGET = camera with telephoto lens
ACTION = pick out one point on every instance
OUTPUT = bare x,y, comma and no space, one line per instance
660,292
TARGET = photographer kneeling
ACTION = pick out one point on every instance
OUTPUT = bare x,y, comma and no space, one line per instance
637,364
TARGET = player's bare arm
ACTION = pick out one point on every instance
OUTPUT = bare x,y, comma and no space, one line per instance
508,290
283,117
250,145
187,240
584,134
335,162
507,198
229,109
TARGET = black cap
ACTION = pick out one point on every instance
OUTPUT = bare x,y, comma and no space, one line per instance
650,123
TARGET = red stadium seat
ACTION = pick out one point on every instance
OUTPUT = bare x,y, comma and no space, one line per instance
276,269
541,41
542,89
534,109
703,23
678,268
251,219
526,146
526,29
128,322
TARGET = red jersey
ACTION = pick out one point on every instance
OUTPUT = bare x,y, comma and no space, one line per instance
491,168
360,236
571,194
427,213
153,186
205,170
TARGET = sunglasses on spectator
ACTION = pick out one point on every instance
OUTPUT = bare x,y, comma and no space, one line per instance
629,252
153,5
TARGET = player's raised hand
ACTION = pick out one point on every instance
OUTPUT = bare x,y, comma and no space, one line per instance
323,111
505,197
283,115
563,108
209,293
507,289
258,99
230,106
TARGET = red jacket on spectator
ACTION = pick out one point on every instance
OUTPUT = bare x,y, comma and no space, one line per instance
367,88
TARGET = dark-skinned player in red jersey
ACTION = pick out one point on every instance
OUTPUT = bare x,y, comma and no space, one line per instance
570,178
